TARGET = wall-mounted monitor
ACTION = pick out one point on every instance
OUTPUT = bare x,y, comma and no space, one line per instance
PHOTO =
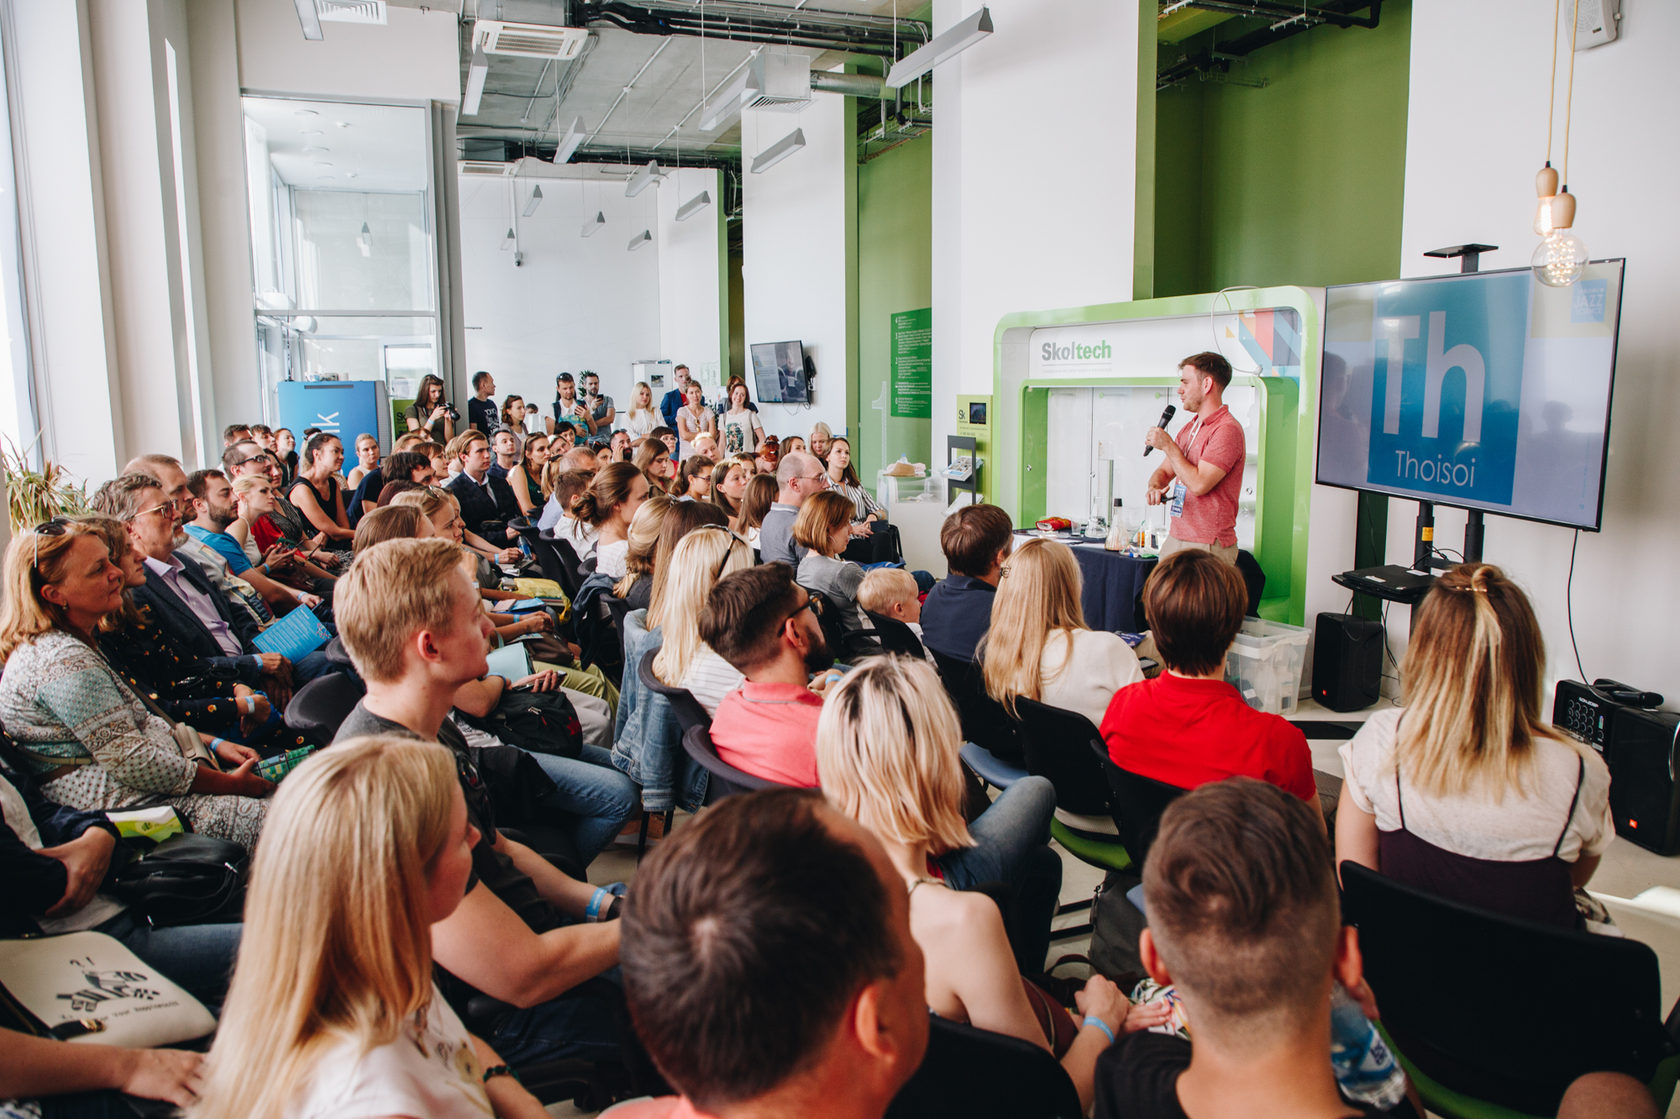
1486,391
779,372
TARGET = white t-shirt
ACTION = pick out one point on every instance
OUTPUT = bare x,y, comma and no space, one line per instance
430,1071
1524,825
709,678
1101,664
736,434
642,423
610,558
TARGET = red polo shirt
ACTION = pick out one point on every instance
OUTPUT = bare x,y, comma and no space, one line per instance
1212,517
1189,732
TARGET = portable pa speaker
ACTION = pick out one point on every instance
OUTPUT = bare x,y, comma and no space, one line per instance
1640,748
1347,662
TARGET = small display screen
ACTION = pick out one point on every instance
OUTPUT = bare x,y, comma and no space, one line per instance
779,372
977,412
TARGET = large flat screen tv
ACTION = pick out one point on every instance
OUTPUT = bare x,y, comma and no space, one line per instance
779,372
1485,391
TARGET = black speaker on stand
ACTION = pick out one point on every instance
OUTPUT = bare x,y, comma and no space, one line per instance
1347,662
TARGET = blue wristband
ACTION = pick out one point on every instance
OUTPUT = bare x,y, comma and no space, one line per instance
593,910
215,742
1093,1020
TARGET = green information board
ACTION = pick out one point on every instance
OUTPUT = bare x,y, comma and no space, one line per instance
912,364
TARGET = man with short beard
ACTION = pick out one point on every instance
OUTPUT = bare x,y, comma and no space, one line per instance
765,625
211,503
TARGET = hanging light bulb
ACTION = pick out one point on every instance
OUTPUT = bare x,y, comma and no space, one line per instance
1561,257
1546,186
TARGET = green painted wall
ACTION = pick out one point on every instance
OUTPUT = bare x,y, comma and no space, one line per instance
1296,183
895,273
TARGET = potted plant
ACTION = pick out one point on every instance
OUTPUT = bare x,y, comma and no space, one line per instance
34,496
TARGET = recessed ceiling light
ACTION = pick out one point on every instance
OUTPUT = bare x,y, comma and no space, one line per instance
305,113
315,149
322,163
344,124
310,132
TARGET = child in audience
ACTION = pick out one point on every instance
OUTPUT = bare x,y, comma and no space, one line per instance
887,751
1038,646
1244,920
824,526
1188,726
891,592
756,500
1467,792
563,487
333,1011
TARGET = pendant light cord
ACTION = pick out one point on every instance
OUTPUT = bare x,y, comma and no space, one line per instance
1551,97
1569,98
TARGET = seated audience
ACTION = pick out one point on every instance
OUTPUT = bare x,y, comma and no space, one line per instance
694,478
90,741
1467,791
557,519
976,539
765,625
506,449
655,460
405,468
367,458
1245,922
797,478
254,498
792,445
667,436
843,479
524,478
892,593
78,1080
1188,726
608,506
705,445
53,864
820,439
213,511
1038,646
284,524
234,433
729,483
333,1009
285,452
487,502
887,747
769,966
636,585
701,558
317,493
756,500
823,528
410,620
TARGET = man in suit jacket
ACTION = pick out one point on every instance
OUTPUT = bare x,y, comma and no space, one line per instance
673,401
486,500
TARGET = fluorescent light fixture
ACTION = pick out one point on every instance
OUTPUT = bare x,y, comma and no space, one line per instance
569,142
536,198
594,224
476,73
364,240
309,18
723,107
947,44
642,179
639,240
510,240
778,151
694,205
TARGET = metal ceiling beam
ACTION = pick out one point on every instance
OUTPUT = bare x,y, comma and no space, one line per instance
1289,22
753,23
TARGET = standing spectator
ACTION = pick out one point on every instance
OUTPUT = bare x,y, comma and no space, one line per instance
481,409
430,411
674,399
693,420
738,424
601,410
569,411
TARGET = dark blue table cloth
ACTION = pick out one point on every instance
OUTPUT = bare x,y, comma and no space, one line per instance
1113,582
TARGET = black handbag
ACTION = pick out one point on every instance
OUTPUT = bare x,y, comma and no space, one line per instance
542,722
188,879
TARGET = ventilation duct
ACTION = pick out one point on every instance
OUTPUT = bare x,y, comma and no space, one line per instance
528,40
778,82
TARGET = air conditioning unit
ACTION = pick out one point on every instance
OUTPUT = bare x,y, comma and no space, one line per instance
370,12
529,40
484,168
779,82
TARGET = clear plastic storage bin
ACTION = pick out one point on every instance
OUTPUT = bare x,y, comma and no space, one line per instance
1264,664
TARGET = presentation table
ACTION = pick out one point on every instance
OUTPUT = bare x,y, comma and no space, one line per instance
1113,582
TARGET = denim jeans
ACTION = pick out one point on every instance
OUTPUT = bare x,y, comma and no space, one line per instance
588,1022
198,957
1012,847
594,797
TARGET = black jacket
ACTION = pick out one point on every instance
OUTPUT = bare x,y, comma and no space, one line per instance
188,633
479,505
32,882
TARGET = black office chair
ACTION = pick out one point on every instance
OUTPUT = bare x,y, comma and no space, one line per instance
319,707
984,721
895,636
1137,804
1506,1011
607,647
687,709
970,1073
552,563
1254,578
724,779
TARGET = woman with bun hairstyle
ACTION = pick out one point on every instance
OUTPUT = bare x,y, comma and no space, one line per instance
609,505
1467,791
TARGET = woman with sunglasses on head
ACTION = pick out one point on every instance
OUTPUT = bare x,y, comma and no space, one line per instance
698,559
86,736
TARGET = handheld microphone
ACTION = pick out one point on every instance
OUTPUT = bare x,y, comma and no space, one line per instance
1165,416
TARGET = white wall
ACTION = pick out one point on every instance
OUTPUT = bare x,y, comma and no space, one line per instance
576,303
797,236
413,58
693,316
1034,178
1474,140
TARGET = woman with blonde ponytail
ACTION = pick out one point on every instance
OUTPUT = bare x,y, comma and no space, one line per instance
332,1011
1466,791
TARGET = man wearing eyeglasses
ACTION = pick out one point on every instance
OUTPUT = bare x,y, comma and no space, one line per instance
766,626
799,475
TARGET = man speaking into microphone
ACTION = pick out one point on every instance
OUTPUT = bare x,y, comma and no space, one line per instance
1202,474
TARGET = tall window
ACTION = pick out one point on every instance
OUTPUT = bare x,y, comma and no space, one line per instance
19,423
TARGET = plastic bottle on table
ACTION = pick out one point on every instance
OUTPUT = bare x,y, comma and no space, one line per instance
1364,1065
1117,532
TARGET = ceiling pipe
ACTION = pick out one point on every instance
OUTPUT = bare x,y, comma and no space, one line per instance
1266,10
1243,45
815,29
849,85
